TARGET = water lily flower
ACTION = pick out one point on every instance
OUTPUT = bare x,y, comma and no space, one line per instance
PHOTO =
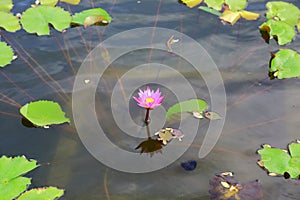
149,99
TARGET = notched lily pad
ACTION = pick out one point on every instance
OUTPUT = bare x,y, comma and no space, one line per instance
224,186
6,55
281,162
37,19
236,5
9,22
49,193
43,113
96,16
285,64
12,184
192,105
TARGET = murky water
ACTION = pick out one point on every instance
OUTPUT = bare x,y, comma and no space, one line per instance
259,110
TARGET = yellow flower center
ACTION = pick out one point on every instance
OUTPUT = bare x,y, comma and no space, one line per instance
149,100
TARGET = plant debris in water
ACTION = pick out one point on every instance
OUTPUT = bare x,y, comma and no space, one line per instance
223,186
280,161
167,134
189,165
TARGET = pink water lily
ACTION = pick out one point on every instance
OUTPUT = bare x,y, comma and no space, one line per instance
149,99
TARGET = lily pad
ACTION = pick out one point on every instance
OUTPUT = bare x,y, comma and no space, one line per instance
285,64
215,4
90,15
283,11
210,10
37,19
279,30
212,115
187,106
224,186
191,3
279,161
6,5
49,193
236,5
48,2
233,16
9,22
43,113
12,184
6,55
73,2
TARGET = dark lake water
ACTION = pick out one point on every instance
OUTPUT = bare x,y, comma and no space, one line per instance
258,111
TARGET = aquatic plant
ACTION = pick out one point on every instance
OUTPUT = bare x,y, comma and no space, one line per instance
43,113
149,99
280,161
13,184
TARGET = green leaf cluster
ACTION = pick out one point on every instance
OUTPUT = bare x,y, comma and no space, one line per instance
13,184
279,161
282,19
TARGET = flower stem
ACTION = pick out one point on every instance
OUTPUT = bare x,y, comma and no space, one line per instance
147,116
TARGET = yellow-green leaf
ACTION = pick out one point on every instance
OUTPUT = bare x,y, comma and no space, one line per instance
230,16
9,22
73,2
91,15
236,5
6,54
6,5
90,20
48,2
249,15
215,4
191,3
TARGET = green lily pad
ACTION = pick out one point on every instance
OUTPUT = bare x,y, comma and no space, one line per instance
236,5
43,113
283,11
215,4
48,2
187,106
279,30
12,184
6,5
49,193
6,54
278,161
9,22
37,19
96,13
285,64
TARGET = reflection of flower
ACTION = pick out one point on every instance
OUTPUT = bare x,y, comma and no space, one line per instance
149,99
150,146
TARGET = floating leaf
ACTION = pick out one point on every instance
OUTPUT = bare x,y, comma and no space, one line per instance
230,16
223,186
73,2
177,134
197,115
165,135
191,3
210,10
189,165
285,64
48,2
283,11
37,19
212,115
249,15
236,5
43,113
95,13
12,184
6,54
150,146
281,31
215,4
6,5
49,193
187,106
9,22
94,20
278,161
